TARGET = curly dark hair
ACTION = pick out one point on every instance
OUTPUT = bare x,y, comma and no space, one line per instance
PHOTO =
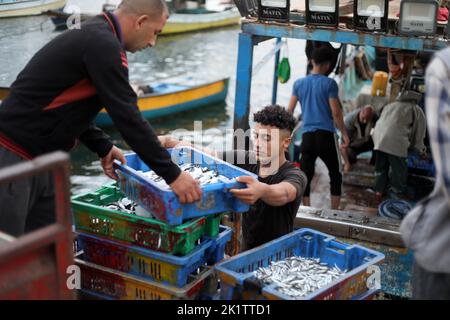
276,116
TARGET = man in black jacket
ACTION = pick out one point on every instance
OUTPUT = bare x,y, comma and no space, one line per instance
55,99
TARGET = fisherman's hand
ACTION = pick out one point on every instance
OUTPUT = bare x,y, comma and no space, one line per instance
108,162
424,155
345,141
186,188
254,191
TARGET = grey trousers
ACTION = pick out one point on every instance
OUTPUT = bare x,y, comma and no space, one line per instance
26,204
430,286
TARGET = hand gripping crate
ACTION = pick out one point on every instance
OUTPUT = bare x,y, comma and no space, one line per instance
164,204
105,283
91,217
237,280
149,265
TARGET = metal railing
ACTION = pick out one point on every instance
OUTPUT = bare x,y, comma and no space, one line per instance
34,265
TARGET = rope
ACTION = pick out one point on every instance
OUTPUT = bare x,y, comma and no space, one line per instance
268,56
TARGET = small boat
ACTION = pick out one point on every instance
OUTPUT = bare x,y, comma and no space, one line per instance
18,8
4,91
186,21
167,99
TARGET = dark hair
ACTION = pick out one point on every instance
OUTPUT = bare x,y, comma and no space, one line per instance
322,55
275,116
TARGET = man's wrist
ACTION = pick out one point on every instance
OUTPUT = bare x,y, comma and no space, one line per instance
105,150
264,189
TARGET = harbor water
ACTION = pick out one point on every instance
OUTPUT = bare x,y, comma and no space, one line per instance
191,57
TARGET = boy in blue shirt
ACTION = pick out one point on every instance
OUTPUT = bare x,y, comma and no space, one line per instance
321,114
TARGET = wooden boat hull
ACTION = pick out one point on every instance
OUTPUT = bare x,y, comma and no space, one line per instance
180,23
177,23
160,105
29,8
3,92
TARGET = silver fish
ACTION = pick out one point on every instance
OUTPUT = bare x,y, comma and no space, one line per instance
297,276
204,175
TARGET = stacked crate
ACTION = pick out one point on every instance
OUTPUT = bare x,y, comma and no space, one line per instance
168,256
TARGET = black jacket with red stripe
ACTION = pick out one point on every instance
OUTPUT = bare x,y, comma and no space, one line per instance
55,99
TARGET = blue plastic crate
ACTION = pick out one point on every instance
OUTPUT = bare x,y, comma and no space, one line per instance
216,251
107,283
164,204
147,264
427,165
236,274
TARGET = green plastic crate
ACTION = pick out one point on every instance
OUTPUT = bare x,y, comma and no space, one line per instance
212,225
91,217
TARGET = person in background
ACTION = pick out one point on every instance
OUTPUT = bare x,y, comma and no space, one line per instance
276,195
359,124
55,99
312,45
426,229
321,114
401,128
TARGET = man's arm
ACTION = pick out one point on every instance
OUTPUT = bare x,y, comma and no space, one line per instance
168,142
279,194
292,104
438,118
349,121
338,119
96,140
109,75
275,195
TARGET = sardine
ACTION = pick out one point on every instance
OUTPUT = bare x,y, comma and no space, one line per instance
297,276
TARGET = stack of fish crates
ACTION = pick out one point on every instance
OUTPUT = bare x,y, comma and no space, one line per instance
161,250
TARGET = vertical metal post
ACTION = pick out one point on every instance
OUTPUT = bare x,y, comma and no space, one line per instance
243,87
275,74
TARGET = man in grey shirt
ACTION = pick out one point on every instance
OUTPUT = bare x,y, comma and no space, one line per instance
359,124
426,229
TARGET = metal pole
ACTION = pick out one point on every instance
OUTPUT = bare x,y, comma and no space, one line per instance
243,89
275,75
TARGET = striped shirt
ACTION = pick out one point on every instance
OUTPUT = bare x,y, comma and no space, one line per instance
426,229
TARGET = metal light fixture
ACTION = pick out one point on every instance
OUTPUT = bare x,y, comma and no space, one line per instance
418,17
322,12
276,10
247,8
371,15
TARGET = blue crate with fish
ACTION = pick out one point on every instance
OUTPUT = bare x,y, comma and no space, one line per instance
146,264
141,185
305,264
216,252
